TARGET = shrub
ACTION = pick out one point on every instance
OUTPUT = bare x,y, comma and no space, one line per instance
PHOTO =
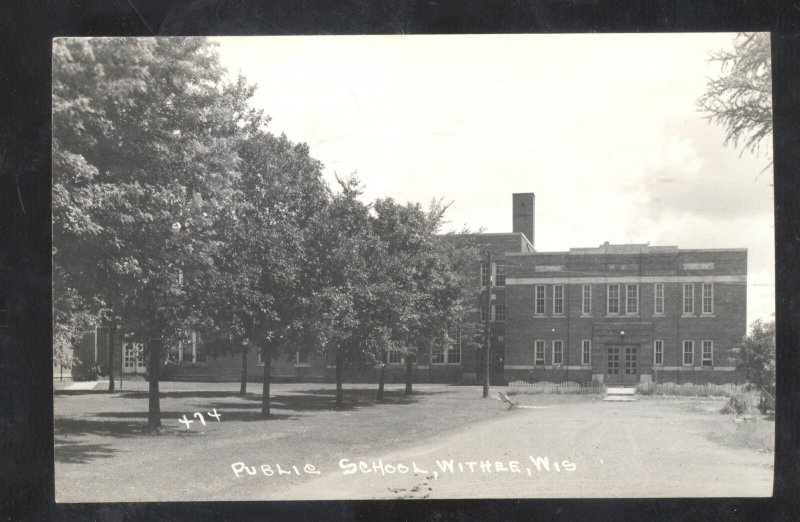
94,372
737,404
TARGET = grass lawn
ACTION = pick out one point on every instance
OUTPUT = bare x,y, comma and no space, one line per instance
101,436
653,447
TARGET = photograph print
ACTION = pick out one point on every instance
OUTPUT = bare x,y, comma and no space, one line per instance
413,267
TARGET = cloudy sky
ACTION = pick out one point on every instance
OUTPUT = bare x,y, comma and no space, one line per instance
604,129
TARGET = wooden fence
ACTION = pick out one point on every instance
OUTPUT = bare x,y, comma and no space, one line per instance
689,389
551,387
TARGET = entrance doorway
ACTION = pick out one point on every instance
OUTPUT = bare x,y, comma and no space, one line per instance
622,364
133,358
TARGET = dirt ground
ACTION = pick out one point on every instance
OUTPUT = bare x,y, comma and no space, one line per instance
444,442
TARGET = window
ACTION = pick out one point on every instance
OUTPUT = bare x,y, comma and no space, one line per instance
613,299
708,353
659,293
538,352
539,308
499,312
708,299
558,299
454,350
301,358
688,353
484,314
632,299
658,352
500,274
558,352
688,299
586,352
486,275
395,357
437,355
586,308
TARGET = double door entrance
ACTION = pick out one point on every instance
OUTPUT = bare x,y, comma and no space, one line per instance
622,364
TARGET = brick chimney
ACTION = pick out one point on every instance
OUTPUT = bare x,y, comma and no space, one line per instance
524,205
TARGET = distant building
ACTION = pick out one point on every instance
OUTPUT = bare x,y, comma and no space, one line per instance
613,314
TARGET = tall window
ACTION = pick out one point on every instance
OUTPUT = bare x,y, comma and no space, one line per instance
454,350
538,356
658,352
586,352
486,274
499,312
586,307
539,306
558,299
688,353
301,358
484,313
708,353
613,299
558,352
708,298
437,354
659,293
632,299
688,298
395,357
500,274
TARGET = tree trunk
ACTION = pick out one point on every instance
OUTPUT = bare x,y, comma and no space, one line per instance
266,356
154,369
243,388
339,372
382,379
112,334
409,370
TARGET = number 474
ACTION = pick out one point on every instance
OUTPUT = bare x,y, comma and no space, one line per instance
199,415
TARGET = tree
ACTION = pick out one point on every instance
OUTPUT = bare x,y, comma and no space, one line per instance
342,277
755,356
257,289
145,138
740,99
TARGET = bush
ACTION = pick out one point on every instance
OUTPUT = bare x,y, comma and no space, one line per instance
94,372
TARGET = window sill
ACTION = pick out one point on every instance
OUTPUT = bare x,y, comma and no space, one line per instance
586,316
707,315
539,316
559,315
659,315
688,316
623,316
302,365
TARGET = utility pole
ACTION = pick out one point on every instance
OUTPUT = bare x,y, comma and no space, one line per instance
488,326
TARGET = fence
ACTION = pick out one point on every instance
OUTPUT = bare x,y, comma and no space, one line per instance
689,389
550,387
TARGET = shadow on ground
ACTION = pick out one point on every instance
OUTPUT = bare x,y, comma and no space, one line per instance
325,399
77,452
222,408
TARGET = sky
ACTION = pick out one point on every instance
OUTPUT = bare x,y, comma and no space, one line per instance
604,129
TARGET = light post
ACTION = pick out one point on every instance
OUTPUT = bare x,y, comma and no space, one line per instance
488,326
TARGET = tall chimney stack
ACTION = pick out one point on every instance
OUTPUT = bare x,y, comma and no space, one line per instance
524,206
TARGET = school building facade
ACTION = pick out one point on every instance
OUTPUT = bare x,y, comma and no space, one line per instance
612,313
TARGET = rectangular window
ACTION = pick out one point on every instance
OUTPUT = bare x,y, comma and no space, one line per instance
437,355
558,352
613,299
659,293
688,299
301,358
558,299
484,314
486,275
708,298
395,357
658,352
708,353
454,350
499,312
586,352
632,299
538,352
586,308
500,274
688,353
539,306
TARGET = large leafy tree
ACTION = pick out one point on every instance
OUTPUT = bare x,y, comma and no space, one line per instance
740,98
258,291
145,133
754,357
342,274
